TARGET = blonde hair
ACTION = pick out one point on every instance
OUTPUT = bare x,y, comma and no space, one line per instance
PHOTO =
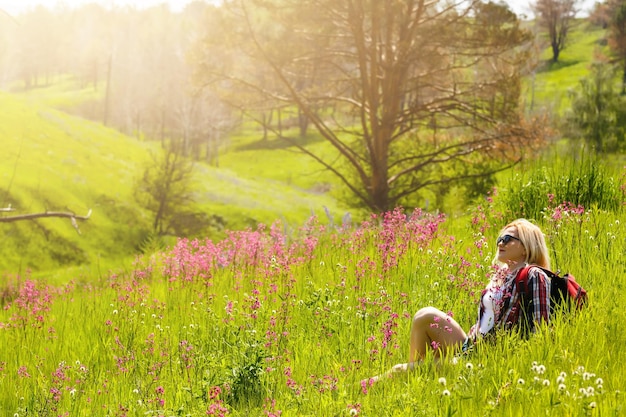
531,237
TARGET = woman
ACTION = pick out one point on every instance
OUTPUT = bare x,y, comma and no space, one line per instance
519,243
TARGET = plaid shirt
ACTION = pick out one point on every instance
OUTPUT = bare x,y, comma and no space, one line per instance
531,304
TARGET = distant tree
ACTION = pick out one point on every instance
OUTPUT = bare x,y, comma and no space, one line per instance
38,39
598,113
400,89
556,17
599,15
616,9
226,48
165,188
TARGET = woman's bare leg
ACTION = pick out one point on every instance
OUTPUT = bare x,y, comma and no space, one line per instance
431,329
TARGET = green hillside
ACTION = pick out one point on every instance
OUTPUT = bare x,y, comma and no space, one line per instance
547,89
56,162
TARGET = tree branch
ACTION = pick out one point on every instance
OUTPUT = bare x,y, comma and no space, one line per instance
31,216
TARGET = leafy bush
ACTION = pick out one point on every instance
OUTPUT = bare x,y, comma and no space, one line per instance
598,112
587,183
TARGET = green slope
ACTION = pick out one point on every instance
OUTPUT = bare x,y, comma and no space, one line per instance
52,161
56,162
548,88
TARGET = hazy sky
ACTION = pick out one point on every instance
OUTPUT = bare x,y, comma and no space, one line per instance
14,7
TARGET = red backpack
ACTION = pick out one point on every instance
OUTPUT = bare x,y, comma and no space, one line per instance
565,291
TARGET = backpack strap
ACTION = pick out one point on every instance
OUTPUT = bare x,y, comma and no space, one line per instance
525,299
521,279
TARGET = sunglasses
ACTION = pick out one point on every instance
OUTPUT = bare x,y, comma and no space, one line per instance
506,239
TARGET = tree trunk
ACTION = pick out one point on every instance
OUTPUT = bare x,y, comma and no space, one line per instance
555,52
107,94
303,123
624,79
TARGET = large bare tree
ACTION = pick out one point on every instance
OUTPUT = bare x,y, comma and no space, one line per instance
411,94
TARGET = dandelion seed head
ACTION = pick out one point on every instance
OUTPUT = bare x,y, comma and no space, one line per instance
520,381
592,404
540,369
546,382
445,393
442,381
599,381
562,387
354,412
469,366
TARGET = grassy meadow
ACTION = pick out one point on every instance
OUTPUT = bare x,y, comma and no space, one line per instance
285,312
272,323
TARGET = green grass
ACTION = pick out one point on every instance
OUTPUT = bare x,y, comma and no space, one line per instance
290,327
